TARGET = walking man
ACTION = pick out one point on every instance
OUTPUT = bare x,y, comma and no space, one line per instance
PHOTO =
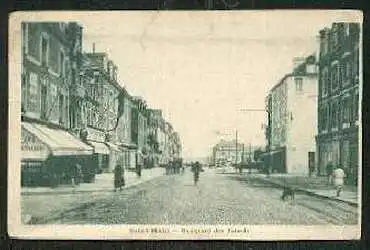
339,175
196,168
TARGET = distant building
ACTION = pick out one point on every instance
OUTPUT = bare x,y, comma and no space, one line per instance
292,105
338,101
227,152
139,130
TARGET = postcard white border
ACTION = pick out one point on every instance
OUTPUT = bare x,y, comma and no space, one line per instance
249,232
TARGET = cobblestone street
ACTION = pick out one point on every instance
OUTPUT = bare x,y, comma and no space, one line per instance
217,199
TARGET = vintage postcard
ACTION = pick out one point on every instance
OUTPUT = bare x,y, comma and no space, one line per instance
185,125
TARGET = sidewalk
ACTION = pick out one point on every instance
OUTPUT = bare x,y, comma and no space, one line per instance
316,186
103,183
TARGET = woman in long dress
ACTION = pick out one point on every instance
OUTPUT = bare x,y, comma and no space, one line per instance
119,180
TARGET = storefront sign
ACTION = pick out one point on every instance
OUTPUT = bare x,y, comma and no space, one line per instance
95,135
32,147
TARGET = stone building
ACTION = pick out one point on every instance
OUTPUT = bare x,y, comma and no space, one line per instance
338,102
50,82
139,130
155,121
292,105
101,109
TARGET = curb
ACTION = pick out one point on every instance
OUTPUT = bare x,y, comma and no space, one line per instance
25,193
311,193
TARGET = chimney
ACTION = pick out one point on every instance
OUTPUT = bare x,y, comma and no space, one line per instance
93,48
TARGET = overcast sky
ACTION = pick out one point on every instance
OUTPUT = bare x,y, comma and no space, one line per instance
201,68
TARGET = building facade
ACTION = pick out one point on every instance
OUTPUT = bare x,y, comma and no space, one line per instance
338,102
292,105
50,60
227,152
101,110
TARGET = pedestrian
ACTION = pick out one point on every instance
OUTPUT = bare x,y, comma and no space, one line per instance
77,174
338,176
138,164
329,172
196,168
311,170
119,180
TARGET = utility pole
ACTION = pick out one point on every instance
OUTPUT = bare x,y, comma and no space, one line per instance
250,158
236,149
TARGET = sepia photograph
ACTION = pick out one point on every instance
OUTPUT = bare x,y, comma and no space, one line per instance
185,125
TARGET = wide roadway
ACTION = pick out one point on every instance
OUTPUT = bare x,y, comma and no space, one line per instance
216,199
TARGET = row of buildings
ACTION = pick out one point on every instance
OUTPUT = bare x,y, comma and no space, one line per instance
313,112
75,111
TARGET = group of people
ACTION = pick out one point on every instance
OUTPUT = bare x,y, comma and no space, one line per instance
175,167
336,176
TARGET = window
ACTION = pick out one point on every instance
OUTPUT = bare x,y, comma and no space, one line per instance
347,72
298,84
334,115
325,117
324,81
356,65
25,37
61,109
346,110
346,29
44,94
335,38
324,45
61,64
335,76
44,51
355,106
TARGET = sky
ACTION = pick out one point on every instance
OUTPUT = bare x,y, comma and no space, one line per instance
202,68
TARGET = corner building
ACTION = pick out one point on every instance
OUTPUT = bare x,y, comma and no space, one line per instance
338,102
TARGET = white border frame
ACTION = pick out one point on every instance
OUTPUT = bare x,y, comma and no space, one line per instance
249,232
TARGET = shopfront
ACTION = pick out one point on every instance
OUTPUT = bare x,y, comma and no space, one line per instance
100,158
51,154
115,156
